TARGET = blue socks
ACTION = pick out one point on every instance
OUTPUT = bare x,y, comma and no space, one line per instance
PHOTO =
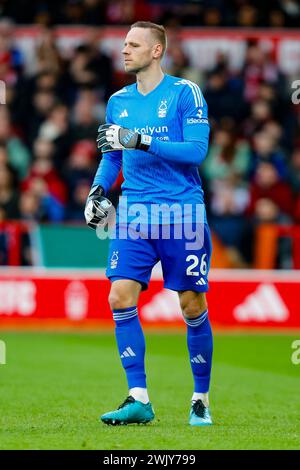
200,346
131,345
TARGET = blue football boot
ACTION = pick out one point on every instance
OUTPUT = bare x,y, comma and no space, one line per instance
199,414
131,411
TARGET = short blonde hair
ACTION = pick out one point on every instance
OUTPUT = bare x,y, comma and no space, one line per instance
158,30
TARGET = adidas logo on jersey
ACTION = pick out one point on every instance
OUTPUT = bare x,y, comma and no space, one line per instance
198,359
127,353
264,304
201,282
124,114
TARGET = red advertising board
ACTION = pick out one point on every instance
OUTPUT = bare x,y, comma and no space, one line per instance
237,299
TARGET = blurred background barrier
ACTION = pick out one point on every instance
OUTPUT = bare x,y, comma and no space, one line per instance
71,246
78,299
75,246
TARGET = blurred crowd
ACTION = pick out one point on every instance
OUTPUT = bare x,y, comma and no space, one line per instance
48,155
241,13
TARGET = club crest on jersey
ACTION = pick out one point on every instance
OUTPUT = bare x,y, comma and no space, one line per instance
162,110
114,260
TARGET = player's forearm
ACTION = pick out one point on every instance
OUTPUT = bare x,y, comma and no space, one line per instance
190,153
108,170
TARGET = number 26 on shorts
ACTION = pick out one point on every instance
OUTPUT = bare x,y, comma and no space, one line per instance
195,263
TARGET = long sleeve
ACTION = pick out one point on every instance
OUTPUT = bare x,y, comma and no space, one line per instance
111,162
190,153
108,170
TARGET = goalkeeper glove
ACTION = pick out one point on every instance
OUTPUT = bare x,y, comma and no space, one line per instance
97,208
113,137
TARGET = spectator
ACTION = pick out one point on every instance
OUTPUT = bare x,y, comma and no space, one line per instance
128,11
30,206
260,115
81,73
271,199
99,63
44,181
56,129
16,58
223,99
178,64
212,17
227,158
94,12
81,164
277,19
75,207
8,194
18,155
229,200
294,171
47,54
264,150
85,122
258,68
73,12
42,103
247,16
3,155
56,123
7,73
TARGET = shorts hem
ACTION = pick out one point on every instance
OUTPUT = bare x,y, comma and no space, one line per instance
113,278
185,288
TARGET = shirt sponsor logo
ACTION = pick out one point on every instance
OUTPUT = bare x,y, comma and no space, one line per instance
196,121
151,130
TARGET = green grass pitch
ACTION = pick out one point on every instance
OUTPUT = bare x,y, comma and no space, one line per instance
54,387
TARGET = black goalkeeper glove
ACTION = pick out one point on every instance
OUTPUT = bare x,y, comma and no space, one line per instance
112,137
97,208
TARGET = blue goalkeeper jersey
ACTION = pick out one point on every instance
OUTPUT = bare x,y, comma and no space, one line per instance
174,114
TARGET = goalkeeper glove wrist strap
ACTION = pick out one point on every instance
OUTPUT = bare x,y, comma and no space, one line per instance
97,190
143,142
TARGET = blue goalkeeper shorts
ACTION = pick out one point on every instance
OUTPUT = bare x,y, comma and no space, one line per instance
185,257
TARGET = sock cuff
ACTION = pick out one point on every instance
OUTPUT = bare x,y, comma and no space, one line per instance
122,314
194,322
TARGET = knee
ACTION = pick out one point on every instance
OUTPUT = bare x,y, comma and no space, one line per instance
193,308
118,299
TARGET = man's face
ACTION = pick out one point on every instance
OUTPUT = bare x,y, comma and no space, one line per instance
138,50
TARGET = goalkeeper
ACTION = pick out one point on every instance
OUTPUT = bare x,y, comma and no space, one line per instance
158,130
